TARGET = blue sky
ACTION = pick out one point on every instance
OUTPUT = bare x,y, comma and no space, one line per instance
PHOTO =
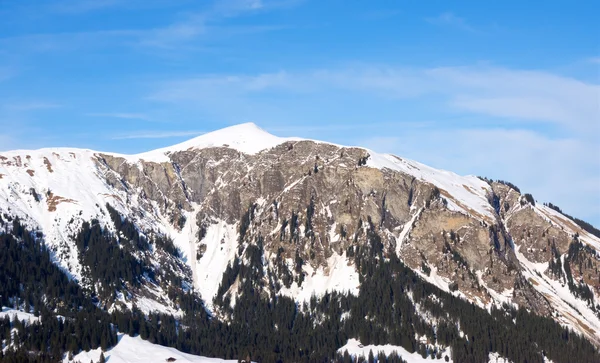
508,90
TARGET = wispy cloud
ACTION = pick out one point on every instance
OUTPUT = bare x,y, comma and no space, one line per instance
345,126
498,92
7,142
235,7
518,94
173,35
83,6
186,29
594,60
121,115
6,73
381,14
31,106
198,88
62,41
155,135
202,22
450,19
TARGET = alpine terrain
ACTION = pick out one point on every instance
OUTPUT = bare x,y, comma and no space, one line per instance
242,245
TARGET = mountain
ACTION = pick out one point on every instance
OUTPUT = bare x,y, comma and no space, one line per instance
237,217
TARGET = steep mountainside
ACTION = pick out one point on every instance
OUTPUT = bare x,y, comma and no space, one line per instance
202,215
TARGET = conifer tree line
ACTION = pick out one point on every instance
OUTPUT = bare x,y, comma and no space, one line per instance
69,320
257,323
117,261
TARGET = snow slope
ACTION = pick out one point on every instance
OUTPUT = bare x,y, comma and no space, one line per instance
557,218
65,181
21,315
247,138
573,311
136,350
355,348
341,276
497,358
467,194
221,246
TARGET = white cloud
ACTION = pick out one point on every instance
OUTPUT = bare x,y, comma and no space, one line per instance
307,129
197,24
200,88
7,143
235,7
155,135
594,60
83,6
6,73
64,41
383,14
450,19
31,106
497,92
121,115
77,7
176,34
532,95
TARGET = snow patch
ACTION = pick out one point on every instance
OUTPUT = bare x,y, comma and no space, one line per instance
149,306
406,230
355,348
341,277
21,315
573,312
221,242
497,358
136,350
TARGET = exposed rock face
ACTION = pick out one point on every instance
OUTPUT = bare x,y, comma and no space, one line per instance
525,294
311,204
286,183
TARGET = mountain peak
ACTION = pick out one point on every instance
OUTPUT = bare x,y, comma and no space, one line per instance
247,138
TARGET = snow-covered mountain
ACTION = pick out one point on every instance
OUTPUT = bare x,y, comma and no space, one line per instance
312,205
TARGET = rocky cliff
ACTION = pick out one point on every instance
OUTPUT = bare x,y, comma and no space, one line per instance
312,205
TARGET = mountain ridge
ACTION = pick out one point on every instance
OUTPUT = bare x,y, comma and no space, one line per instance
308,208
